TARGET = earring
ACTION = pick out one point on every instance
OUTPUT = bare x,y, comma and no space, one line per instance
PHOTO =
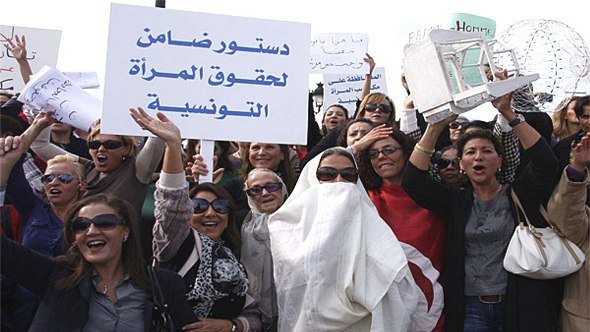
499,170
462,171
125,238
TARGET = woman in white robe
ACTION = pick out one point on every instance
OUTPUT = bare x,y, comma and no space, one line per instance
337,265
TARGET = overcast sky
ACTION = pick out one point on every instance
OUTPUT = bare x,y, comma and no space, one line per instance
84,24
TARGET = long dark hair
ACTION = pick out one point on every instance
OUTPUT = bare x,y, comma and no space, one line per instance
224,161
368,176
132,255
341,107
231,235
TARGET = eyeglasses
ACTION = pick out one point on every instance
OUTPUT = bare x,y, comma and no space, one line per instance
383,108
271,187
108,144
388,150
327,173
62,177
456,124
443,163
102,222
220,205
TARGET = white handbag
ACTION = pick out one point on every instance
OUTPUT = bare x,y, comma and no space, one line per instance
540,253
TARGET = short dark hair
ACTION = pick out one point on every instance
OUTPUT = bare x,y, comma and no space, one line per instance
231,235
477,124
483,134
581,104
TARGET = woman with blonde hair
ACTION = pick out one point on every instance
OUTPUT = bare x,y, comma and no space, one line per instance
117,167
41,214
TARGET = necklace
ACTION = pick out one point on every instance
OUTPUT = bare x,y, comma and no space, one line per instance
105,290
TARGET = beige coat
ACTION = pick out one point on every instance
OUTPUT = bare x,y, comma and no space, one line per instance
568,210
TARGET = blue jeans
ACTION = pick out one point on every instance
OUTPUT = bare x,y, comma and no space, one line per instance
483,317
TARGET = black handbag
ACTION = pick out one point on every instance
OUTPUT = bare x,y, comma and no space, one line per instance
161,319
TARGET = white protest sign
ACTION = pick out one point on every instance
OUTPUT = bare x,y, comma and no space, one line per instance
346,89
217,77
42,49
85,80
50,90
339,53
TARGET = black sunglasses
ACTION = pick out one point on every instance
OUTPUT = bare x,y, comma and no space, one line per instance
271,187
102,222
328,173
443,163
62,177
388,150
457,124
108,144
383,108
220,205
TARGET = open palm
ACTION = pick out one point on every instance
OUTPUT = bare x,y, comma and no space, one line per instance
18,49
161,127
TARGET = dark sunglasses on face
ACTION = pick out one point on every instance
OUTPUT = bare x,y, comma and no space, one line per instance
327,173
62,177
443,163
456,124
219,205
102,222
271,187
388,150
383,108
108,144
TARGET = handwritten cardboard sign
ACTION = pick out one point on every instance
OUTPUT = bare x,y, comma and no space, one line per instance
346,89
85,80
42,49
217,77
339,53
50,90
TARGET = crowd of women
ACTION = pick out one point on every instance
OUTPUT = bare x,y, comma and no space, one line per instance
375,225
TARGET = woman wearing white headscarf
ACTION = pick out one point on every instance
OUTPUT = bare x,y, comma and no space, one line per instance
266,193
337,265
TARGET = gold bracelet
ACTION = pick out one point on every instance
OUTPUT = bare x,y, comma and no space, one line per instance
427,153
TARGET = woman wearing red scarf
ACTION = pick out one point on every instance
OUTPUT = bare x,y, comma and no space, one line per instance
420,232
